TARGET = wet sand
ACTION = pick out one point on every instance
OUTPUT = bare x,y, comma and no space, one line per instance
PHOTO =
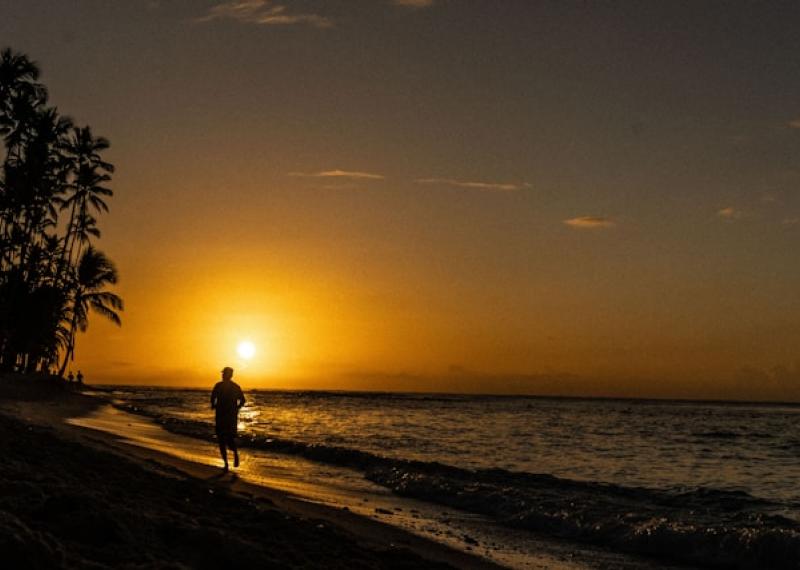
75,498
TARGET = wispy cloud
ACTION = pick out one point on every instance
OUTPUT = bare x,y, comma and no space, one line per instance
794,124
352,174
486,186
263,13
729,213
790,221
590,223
414,3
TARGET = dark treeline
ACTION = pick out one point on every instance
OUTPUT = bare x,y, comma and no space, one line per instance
53,187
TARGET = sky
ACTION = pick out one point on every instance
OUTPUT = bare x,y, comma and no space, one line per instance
573,198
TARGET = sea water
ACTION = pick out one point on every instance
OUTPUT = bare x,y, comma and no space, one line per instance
695,482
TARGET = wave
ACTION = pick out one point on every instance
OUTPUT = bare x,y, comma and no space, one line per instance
709,527
706,527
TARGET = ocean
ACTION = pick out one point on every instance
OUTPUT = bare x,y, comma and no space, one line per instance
700,483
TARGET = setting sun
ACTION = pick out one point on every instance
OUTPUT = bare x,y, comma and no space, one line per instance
246,349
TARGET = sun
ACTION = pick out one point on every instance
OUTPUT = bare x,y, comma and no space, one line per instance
246,349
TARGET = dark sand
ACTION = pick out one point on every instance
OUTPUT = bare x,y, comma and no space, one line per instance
73,498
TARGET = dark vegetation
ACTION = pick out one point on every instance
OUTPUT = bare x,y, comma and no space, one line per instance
52,190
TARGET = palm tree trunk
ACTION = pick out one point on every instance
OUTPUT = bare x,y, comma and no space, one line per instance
67,235
70,345
67,358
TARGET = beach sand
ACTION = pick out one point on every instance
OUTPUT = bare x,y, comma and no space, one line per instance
76,498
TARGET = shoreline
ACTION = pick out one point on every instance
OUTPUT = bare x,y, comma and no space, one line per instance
353,540
689,516
376,516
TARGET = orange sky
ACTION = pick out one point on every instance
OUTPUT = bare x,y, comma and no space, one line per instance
496,197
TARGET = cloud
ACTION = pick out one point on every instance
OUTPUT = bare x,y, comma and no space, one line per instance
794,124
790,221
340,174
729,213
487,186
413,3
590,223
263,13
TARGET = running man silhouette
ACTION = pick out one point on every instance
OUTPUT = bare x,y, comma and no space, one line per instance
226,399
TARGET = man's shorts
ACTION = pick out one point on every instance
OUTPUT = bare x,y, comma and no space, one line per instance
226,426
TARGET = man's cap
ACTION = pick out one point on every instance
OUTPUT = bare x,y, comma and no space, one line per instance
227,369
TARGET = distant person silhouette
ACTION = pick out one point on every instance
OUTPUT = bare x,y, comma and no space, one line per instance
226,399
80,377
70,378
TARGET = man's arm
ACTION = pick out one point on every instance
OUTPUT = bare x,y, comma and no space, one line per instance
214,398
240,400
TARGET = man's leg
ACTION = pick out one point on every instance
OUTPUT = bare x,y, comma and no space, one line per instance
232,444
223,451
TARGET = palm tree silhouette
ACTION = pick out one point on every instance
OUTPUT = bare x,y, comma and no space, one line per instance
90,172
18,88
50,275
95,272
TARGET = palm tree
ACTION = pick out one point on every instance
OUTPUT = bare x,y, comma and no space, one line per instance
95,271
34,177
18,86
89,173
50,275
